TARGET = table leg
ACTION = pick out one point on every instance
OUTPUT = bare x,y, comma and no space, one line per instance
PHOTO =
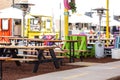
73,59
1,51
70,52
40,55
36,66
14,53
0,69
55,60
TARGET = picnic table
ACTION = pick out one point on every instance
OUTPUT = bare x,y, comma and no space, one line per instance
39,42
13,51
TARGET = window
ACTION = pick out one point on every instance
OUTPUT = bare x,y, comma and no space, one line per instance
4,24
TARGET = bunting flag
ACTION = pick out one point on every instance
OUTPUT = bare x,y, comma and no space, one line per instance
66,4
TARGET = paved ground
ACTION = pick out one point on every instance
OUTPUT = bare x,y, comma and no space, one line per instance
84,63
93,72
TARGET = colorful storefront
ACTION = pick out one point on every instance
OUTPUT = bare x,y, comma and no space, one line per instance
34,28
5,29
40,25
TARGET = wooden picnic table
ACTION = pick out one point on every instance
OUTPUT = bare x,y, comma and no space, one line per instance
72,49
13,51
40,42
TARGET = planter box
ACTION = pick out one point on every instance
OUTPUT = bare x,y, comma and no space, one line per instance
115,53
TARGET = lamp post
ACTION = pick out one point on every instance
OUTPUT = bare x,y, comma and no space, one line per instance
100,12
24,6
99,45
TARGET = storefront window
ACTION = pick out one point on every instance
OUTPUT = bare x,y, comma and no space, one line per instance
41,22
4,24
35,24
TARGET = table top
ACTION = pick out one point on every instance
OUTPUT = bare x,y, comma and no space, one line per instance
17,38
41,40
101,39
71,40
28,47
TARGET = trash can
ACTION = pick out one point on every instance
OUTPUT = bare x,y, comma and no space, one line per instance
99,49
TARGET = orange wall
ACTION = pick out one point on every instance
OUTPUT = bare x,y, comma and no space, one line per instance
6,32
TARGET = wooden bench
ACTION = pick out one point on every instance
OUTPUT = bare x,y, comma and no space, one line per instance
57,52
47,51
22,59
81,52
16,59
27,56
28,50
35,56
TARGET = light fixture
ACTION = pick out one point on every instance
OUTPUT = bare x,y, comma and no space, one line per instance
100,12
24,6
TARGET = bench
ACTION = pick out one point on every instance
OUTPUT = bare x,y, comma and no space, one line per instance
58,52
16,59
28,56
22,59
28,50
81,52
47,51
35,56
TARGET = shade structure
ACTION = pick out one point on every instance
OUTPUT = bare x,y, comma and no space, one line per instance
41,11
80,19
11,13
111,23
29,16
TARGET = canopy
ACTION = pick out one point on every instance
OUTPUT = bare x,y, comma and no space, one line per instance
111,23
11,13
79,19
41,11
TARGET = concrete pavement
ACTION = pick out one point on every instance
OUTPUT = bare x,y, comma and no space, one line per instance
93,72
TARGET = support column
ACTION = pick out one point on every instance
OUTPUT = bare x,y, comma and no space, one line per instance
65,22
107,21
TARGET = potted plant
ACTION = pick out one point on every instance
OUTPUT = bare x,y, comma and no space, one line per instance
72,7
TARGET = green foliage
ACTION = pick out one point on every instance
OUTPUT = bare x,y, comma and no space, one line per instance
72,6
